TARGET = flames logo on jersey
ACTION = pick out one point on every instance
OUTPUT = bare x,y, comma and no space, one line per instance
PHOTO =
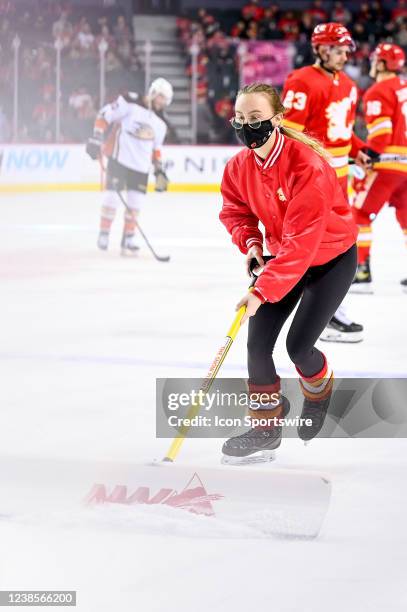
337,115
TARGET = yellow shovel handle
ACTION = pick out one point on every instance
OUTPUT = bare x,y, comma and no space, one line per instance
213,371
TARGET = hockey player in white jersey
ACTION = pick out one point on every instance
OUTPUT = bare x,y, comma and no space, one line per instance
130,133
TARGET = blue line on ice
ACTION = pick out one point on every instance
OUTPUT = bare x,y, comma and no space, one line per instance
191,365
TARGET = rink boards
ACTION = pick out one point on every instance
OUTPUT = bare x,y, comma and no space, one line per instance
67,167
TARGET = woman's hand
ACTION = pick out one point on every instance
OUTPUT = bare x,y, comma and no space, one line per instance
252,303
255,252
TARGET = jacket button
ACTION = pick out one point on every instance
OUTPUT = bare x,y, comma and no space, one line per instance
267,195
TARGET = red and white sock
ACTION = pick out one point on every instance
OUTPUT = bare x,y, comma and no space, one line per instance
130,222
107,218
319,385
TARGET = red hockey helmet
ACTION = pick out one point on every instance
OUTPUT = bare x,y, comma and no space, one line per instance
393,55
332,34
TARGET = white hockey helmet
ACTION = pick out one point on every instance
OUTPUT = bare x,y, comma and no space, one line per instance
161,87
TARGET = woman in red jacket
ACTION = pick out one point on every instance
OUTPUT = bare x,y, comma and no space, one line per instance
282,179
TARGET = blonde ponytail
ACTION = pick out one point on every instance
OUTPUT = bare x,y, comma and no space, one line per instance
277,106
307,140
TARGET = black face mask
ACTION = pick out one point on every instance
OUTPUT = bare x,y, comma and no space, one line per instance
253,138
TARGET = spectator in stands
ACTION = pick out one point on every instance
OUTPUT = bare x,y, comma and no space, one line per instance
222,71
340,14
83,113
306,26
202,66
112,61
359,31
364,14
362,52
268,29
41,66
106,37
121,30
208,23
238,30
304,55
399,12
198,36
252,31
223,131
317,12
289,25
377,11
84,40
126,53
401,36
62,28
82,103
253,11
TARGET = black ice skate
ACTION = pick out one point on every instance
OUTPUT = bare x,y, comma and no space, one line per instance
403,284
129,246
315,410
362,283
342,329
255,445
103,241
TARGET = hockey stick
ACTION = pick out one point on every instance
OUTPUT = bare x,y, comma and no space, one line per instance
194,409
162,258
381,159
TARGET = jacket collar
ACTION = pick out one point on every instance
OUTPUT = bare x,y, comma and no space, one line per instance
272,157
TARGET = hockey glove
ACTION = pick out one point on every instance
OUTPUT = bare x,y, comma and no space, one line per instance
374,155
94,146
161,180
254,266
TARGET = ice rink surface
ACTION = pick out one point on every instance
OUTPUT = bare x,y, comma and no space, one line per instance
85,334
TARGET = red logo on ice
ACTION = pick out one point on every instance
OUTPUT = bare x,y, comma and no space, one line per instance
193,498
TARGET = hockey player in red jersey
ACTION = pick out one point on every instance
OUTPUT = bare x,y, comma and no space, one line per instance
321,100
283,180
130,132
385,111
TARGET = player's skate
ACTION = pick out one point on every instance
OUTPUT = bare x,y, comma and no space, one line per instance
103,241
129,246
403,284
256,445
362,283
314,411
341,329
315,406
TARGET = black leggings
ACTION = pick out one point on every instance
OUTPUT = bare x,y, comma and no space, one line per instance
320,292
